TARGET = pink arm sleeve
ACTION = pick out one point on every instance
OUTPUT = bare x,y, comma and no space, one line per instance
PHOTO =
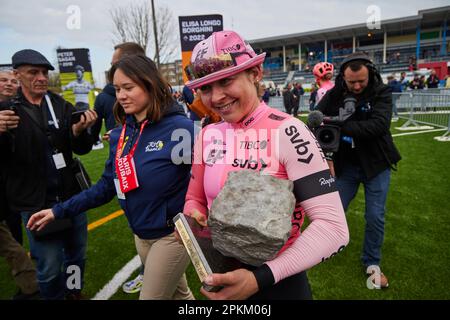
195,197
314,189
326,235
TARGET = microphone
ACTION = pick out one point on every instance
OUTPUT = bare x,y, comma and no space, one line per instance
315,119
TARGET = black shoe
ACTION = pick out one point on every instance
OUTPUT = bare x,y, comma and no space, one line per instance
31,296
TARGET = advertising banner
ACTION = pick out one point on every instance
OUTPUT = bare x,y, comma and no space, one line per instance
194,29
77,81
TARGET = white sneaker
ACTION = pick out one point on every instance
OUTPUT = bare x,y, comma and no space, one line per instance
134,285
98,146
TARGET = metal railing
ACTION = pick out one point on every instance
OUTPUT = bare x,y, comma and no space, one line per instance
277,103
420,108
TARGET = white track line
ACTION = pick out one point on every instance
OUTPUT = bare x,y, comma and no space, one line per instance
417,132
120,277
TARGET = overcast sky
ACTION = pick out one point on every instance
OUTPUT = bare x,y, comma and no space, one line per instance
42,24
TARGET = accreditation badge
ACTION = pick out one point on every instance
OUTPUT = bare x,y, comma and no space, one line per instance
58,159
120,194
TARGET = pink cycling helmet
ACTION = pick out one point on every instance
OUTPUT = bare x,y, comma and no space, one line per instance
322,68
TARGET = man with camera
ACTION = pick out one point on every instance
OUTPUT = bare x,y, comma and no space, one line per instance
37,138
366,152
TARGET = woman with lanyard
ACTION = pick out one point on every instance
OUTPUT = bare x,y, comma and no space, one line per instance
149,170
227,71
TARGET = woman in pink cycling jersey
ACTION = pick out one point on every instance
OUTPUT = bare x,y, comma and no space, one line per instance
227,71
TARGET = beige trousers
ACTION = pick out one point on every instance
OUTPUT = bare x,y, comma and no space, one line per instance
165,261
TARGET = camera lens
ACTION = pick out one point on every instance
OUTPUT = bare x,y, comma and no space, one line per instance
326,136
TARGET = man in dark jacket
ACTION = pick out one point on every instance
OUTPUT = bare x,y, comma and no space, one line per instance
433,80
38,169
16,257
366,153
9,85
297,91
396,89
288,98
104,104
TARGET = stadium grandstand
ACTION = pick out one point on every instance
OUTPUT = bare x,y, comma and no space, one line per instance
405,44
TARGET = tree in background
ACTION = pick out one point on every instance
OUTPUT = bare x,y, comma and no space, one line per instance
134,23
54,81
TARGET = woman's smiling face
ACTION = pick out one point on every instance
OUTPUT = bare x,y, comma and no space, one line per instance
235,97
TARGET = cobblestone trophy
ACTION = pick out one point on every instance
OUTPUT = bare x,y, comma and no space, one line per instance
249,222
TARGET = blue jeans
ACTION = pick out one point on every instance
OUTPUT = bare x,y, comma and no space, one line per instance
394,104
375,191
54,256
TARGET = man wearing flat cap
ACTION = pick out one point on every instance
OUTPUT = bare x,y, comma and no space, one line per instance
37,138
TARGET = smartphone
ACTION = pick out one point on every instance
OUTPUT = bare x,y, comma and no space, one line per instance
76,116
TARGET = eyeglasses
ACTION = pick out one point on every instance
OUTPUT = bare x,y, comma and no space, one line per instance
204,67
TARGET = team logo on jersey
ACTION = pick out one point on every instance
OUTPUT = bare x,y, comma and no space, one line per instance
327,182
255,145
249,164
300,145
249,121
214,156
154,146
219,142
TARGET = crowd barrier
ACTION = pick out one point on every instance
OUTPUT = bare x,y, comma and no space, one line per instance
422,109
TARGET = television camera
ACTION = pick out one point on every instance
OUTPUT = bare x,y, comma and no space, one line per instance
328,129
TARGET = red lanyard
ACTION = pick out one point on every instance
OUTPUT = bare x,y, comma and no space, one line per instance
119,150
125,167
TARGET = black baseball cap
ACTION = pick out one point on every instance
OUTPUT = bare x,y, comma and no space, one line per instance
30,57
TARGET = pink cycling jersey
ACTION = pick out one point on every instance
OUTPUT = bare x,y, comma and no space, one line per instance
274,143
325,86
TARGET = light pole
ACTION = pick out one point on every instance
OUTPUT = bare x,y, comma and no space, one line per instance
155,31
